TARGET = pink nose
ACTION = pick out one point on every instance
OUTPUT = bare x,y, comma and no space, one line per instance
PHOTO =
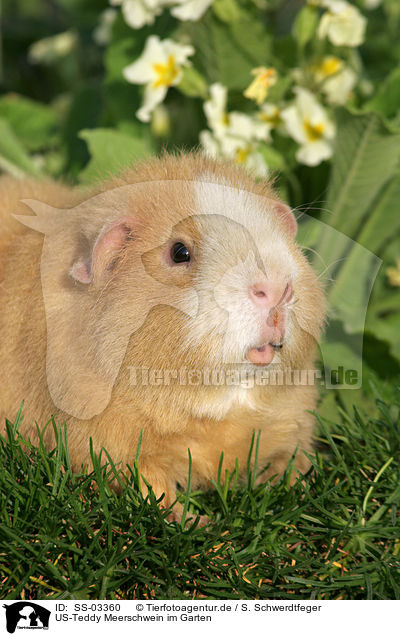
269,294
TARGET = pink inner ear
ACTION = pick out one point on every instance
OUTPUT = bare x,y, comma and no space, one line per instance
109,242
80,271
286,215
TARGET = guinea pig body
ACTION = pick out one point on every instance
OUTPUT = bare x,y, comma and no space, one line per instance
159,304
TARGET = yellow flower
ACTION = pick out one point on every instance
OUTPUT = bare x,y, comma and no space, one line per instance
263,80
393,274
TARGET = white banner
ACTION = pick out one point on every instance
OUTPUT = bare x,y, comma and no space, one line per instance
183,617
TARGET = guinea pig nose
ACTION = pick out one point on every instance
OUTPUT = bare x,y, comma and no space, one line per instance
259,293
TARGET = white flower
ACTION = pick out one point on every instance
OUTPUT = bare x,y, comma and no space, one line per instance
102,32
137,13
235,124
337,80
248,128
372,4
215,109
271,114
234,135
237,149
159,67
339,87
326,67
308,123
190,9
49,50
342,24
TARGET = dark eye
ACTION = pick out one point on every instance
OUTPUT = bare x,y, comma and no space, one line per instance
180,253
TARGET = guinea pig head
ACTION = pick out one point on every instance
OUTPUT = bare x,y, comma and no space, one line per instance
259,300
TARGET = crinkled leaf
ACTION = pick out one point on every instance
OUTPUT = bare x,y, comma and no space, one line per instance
362,205
111,151
227,53
13,158
387,98
33,123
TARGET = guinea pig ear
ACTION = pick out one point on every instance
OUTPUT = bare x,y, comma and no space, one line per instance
108,246
286,216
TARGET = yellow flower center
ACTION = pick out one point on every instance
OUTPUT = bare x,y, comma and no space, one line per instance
273,118
329,66
242,154
166,73
314,132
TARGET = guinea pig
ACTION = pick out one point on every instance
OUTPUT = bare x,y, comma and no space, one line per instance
171,303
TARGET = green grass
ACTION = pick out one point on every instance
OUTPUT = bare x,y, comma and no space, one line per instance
335,535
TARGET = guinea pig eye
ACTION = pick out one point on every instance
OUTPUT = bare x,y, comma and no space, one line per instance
180,253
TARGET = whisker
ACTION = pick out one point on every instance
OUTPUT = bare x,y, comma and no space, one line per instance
331,265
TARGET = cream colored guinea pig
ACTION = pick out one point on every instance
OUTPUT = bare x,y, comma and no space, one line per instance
161,302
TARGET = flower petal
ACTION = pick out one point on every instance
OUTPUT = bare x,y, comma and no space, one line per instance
190,9
152,97
313,154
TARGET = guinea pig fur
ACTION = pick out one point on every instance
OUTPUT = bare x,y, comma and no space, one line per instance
143,291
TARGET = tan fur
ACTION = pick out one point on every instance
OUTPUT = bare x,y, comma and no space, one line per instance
173,418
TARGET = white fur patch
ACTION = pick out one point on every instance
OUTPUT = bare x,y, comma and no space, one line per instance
252,235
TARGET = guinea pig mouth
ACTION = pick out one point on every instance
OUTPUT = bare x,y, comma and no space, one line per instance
270,344
263,355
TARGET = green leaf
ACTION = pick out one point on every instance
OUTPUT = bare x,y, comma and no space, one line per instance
226,10
193,83
387,98
273,158
227,53
13,158
374,233
111,151
32,122
339,355
366,156
366,159
350,294
363,205
305,24
388,330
